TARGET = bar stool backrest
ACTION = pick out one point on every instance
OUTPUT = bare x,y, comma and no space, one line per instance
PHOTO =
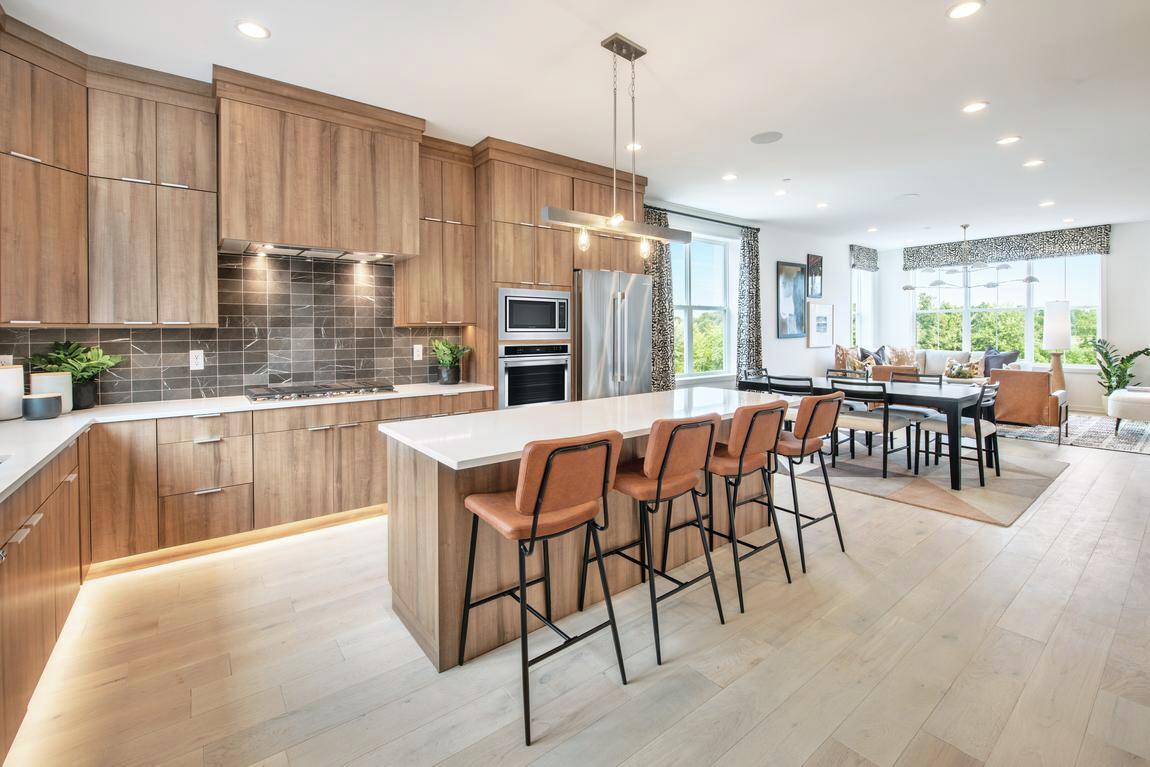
756,428
680,445
560,473
885,372
817,416
790,385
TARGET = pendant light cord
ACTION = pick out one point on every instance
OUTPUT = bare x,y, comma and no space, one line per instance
634,149
614,132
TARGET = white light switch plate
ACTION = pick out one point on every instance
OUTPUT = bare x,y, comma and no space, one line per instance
196,359
5,359
417,352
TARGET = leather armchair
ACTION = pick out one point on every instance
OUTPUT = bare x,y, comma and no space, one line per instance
1026,397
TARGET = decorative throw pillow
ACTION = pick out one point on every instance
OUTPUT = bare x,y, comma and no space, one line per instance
956,369
995,360
843,355
866,363
878,356
899,355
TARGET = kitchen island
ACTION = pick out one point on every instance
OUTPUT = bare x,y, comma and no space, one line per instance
434,464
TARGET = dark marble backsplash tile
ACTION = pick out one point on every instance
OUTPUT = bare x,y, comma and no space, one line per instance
281,321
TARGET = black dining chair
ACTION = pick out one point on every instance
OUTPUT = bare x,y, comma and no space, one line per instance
981,426
879,421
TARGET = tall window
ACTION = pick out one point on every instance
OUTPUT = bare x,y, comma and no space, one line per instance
973,310
863,308
700,274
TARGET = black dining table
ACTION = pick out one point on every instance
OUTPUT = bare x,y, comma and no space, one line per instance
949,399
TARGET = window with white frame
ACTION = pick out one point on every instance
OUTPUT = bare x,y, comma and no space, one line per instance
1002,305
701,276
863,308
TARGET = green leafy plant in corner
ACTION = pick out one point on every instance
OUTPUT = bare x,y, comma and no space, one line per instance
85,363
446,353
1114,370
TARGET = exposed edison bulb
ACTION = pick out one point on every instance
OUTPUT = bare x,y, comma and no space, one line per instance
644,247
584,240
616,219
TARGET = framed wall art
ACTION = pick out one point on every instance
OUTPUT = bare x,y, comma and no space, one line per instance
791,299
820,324
814,276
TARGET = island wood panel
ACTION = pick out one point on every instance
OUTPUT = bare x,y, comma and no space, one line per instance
192,517
122,251
186,245
293,475
360,466
124,489
188,466
512,194
206,426
43,243
42,115
186,147
458,193
458,288
429,532
554,257
121,136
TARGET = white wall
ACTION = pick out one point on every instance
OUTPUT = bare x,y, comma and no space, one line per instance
895,305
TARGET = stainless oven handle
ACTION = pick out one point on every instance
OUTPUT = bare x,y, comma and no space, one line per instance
536,362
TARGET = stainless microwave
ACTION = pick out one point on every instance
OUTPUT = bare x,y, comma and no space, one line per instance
537,315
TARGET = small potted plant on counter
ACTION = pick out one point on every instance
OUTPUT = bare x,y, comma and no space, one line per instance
84,363
449,356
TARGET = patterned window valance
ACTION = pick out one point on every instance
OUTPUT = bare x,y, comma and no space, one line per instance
864,258
1019,247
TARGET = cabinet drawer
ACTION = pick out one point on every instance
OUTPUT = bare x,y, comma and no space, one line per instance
309,416
207,426
198,516
421,407
217,462
468,402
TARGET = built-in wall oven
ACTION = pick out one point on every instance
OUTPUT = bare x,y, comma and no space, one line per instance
534,315
531,374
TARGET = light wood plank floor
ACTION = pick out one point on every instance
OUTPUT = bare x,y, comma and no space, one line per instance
934,640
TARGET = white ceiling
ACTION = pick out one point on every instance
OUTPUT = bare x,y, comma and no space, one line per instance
868,94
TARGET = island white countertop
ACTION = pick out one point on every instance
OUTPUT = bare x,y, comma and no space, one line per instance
479,439
26,446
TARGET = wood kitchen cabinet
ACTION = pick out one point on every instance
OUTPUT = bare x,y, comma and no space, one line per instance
43,116
122,487
293,475
593,197
551,190
186,274
554,257
512,253
512,193
122,252
185,148
205,514
446,191
438,287
375,192
458,275
121,136
612,253
360,476
204,464
43,244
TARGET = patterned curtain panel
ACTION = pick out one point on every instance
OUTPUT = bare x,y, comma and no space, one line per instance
1019,247
658,266
750,328
864,258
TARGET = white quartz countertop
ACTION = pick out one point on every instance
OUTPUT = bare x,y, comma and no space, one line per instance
479,439
26,446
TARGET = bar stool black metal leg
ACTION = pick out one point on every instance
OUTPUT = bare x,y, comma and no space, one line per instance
583,569
593,533
547,579
649,558
642,547
707,553
734,538
523,646
709,484
467,588
795,509
834,512
778,530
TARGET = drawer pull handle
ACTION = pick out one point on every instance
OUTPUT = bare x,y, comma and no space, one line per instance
72,477
208,415
23,156
435,322
346,425
207,440
175,322
524,223
19,536
138,322
429,218
25,322
174,186
449,221
34,520
131,180
209,491
318,428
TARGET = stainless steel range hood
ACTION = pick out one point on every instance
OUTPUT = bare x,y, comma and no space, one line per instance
280,250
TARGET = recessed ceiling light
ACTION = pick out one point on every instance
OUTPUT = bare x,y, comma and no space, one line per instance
634,146
961,10
1068,221
1005,140
1033,163
1046,203
820,205
253,30
975,106
872,229
781,193
766,137
729,176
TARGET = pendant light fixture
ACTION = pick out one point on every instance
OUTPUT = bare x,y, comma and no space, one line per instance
616,224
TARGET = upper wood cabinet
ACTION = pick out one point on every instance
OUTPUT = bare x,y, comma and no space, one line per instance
375,192
612,253
512,253
459,274
43,244
122,252
185,147
551,190
554,257
186,279
121,137
593,197
438,287
512,193
43,116
447,191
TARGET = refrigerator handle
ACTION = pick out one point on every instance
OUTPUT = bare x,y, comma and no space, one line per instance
614,337
624,343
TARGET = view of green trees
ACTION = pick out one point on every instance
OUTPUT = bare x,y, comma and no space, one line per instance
706,342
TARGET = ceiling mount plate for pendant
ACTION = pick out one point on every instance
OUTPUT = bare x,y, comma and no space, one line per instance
624,48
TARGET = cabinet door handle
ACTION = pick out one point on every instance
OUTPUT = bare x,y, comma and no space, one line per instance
524,223
434,322
175,322
429,218
174,186
346,425
207,440
19,536
318,428
72,477
34,520
545,283
455,322
131,180
23,156
525,282
209,491
25,322
137,322
208,415
449,221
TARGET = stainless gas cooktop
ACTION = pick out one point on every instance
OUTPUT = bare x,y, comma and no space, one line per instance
316,391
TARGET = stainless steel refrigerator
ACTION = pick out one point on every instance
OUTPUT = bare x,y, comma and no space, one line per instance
612,322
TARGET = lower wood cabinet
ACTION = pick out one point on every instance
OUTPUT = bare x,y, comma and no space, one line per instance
360,469
205,464
293,475
123,487
205,514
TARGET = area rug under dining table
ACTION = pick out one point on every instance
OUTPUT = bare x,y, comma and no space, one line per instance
1003,500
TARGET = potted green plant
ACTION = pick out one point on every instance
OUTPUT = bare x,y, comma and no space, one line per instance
448,355
1114,370
85,363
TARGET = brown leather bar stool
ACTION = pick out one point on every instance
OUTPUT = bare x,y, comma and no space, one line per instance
754,438
563,483
817,418
677,449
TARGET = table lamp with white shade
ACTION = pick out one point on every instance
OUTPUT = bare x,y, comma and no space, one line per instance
1056,338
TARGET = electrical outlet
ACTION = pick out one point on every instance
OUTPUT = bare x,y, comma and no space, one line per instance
196,359
417,352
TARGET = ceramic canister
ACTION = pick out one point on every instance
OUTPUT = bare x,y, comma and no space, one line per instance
11,391
38,407
54,383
